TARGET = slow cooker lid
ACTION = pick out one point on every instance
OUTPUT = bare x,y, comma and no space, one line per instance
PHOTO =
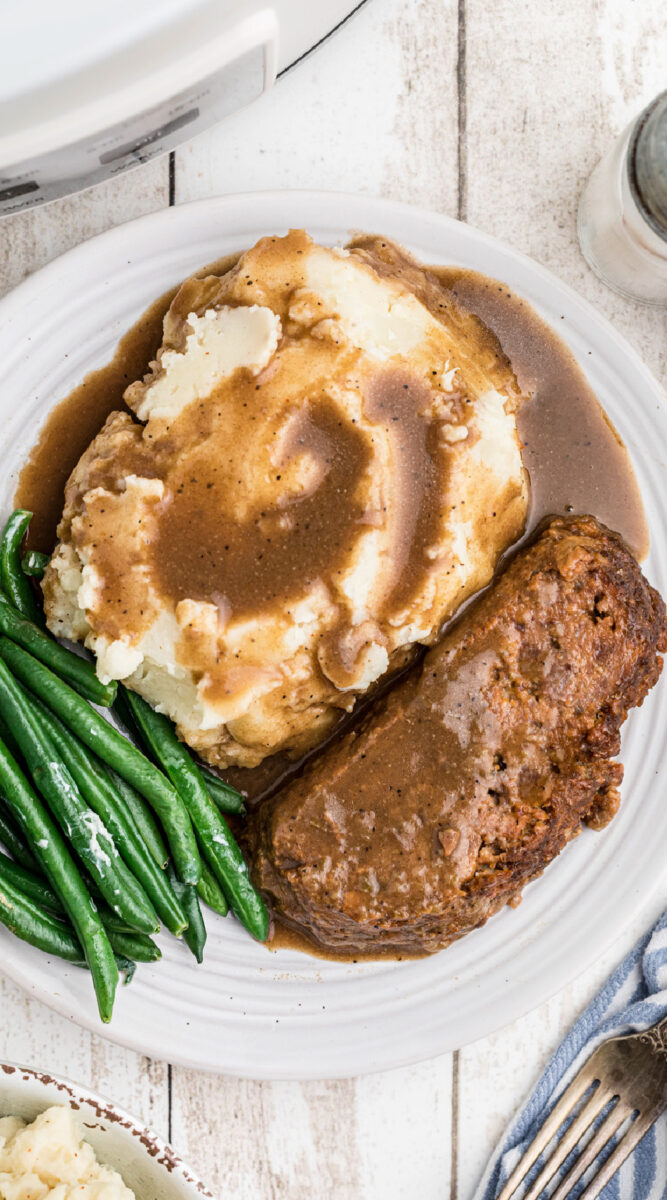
73,68
44,42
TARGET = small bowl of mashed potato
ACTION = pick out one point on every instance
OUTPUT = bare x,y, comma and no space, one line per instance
59,1141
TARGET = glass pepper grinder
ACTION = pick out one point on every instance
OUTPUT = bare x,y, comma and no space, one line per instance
622,222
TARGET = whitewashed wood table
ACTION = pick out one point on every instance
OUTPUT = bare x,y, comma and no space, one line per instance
494,111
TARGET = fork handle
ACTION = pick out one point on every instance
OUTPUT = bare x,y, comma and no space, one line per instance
656,1038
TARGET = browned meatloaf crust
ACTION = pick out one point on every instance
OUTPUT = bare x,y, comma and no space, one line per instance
474,772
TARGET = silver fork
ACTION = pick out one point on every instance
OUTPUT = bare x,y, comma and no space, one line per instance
630,1074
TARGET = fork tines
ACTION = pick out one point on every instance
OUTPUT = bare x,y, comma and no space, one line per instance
595,1105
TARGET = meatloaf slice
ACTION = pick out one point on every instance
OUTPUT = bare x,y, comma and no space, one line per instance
474,772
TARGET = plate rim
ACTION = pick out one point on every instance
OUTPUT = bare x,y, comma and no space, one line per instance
25,287
401,208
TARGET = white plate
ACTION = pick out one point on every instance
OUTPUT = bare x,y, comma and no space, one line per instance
248,1012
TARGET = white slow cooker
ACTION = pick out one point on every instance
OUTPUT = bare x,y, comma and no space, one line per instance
89,90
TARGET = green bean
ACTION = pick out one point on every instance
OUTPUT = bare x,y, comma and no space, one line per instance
227,798
142,815
222,794
31,884
53,856
209,890
24,919
116,751
121,711
124,941
195,934
82,827
77,671
128,968
9,740
97,843
218,845
97,791
111,920
110,917
11,839
139,808
135,946
14,583
35,887
34,563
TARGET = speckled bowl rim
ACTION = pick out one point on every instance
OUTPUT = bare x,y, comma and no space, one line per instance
79,1096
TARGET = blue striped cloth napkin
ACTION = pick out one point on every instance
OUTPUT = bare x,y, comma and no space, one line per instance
633,998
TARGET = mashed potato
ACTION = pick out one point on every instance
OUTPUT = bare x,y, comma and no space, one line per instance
49,1160
324,466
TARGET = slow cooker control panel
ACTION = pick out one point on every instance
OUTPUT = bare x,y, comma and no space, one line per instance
248,68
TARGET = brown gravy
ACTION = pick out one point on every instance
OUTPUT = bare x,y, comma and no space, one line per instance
574,456
73,423
575,459
284,937
195,568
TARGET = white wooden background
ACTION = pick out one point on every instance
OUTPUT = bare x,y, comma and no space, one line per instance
494,111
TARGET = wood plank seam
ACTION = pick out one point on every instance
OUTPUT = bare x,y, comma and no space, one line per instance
172,178
462,114
454,1158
